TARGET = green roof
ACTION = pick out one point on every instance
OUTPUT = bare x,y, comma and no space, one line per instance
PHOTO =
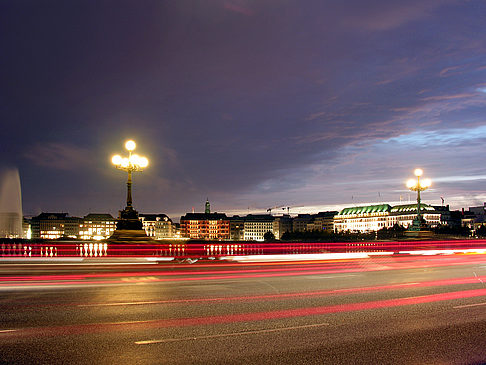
369,209
410,208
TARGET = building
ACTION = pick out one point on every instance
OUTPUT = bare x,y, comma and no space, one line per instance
474,217
256,226
403,215
158,226
205,226
237,228
282,224
300,222
96,226
362,219
375,217
55,225
324,221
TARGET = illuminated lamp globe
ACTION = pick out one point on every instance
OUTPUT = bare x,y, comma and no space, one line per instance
418,172
426,183
125,162
135,159
116,160
130,145
410,183
143,162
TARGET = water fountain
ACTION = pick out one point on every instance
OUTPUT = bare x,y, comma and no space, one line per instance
10,204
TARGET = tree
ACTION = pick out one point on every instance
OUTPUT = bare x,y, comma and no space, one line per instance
481,231
269,236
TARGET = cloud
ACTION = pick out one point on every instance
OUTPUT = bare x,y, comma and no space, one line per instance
59,156
238,8
448,71
379,16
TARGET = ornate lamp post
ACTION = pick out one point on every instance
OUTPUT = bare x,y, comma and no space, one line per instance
129,217
418,186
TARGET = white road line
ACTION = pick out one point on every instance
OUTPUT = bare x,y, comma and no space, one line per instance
120,303
165,340
468,305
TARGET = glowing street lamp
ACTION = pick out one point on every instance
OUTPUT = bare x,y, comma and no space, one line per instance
130,164
418,186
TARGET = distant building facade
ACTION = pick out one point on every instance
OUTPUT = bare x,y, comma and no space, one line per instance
158,226
281,224
256,226
237,228
375,217
55,225
205,226
97,226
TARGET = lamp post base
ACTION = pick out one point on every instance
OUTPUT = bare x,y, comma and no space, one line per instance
419,229
129,229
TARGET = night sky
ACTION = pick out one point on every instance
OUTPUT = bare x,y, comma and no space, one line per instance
250,103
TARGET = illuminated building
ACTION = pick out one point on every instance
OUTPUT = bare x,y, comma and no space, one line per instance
362,219
205,226
474,217
256,226
404,215
375,217
97,226
55,225
281,224
158,226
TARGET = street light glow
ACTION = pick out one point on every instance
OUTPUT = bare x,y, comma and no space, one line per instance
130,145
143,162
426,183
130,164
418,186
116,160
125,162
410,183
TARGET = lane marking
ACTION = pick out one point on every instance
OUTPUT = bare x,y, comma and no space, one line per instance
469,305
245,333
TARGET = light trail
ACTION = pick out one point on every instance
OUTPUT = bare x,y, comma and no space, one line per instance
52,331
346,291
343,267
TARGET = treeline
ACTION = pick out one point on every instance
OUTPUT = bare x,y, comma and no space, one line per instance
396,232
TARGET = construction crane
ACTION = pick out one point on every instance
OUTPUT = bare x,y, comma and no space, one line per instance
269,210
283,207
293,206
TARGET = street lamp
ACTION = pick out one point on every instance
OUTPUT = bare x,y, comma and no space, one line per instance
130,164
418,186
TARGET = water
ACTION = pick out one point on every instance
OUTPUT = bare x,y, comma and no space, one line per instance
10,204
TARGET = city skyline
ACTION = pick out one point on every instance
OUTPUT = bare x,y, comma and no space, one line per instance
252,104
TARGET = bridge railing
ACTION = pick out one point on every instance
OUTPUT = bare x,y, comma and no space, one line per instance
24,248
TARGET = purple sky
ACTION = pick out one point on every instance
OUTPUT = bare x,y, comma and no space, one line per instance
252,103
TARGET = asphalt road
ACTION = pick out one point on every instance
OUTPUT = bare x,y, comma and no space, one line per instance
390,310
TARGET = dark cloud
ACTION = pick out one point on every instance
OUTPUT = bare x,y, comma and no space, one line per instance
227,98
